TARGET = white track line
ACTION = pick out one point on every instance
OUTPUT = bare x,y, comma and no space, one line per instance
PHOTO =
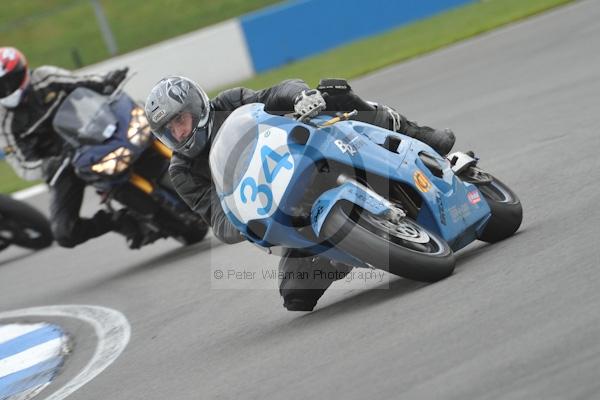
30,192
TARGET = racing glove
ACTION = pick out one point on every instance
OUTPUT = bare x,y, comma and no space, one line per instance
309,103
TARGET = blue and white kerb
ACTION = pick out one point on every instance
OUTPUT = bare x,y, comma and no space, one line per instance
30,357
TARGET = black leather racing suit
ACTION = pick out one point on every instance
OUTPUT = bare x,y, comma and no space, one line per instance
192,177
35,151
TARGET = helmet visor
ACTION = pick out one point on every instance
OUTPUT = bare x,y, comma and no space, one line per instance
180,130
12,81
180,127
13,100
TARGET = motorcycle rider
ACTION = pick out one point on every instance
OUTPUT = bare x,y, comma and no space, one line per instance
183,118
28,102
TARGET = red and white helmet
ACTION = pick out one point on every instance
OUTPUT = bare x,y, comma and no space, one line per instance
14,76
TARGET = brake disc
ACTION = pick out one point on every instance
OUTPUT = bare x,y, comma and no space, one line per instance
411,232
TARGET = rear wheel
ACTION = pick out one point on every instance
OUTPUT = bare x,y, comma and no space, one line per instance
3,243
507,212
404,248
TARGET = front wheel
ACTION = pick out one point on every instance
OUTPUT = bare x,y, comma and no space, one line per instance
194,235
405,249
184,226
23,225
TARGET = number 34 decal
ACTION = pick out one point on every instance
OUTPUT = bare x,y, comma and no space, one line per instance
282,161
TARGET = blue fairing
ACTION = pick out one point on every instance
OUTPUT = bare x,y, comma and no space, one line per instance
272,176
447,209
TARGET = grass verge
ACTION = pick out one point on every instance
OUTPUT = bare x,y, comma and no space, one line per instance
9,182
50,31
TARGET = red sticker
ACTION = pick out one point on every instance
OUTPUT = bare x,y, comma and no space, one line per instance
474,197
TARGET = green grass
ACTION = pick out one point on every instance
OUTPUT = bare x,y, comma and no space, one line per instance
9,182
394,46
48,31
51,40
17,13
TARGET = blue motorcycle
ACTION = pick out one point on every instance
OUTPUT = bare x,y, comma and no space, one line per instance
355,193
113,150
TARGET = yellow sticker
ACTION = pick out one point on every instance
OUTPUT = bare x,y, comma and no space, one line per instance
422,182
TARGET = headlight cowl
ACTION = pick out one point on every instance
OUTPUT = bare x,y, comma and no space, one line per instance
114,162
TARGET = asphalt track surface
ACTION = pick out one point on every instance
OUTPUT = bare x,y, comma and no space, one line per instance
517,320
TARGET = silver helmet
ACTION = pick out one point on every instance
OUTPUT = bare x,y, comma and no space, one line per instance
180,115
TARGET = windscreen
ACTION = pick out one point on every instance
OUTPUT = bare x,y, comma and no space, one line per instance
85,117
233,146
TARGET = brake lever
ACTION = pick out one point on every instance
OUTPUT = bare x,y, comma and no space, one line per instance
339,117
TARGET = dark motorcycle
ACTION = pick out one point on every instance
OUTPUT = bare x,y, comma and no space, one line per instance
114,151
23,225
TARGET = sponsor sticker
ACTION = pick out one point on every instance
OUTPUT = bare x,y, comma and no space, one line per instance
474,197
422,182
345,147
460,213
159,115
441,208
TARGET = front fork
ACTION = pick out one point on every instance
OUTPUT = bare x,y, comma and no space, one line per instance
142,183
355,192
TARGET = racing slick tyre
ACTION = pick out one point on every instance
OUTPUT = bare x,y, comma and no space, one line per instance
405,249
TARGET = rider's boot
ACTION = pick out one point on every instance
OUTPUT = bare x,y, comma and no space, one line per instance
305,277
441,140
128,226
